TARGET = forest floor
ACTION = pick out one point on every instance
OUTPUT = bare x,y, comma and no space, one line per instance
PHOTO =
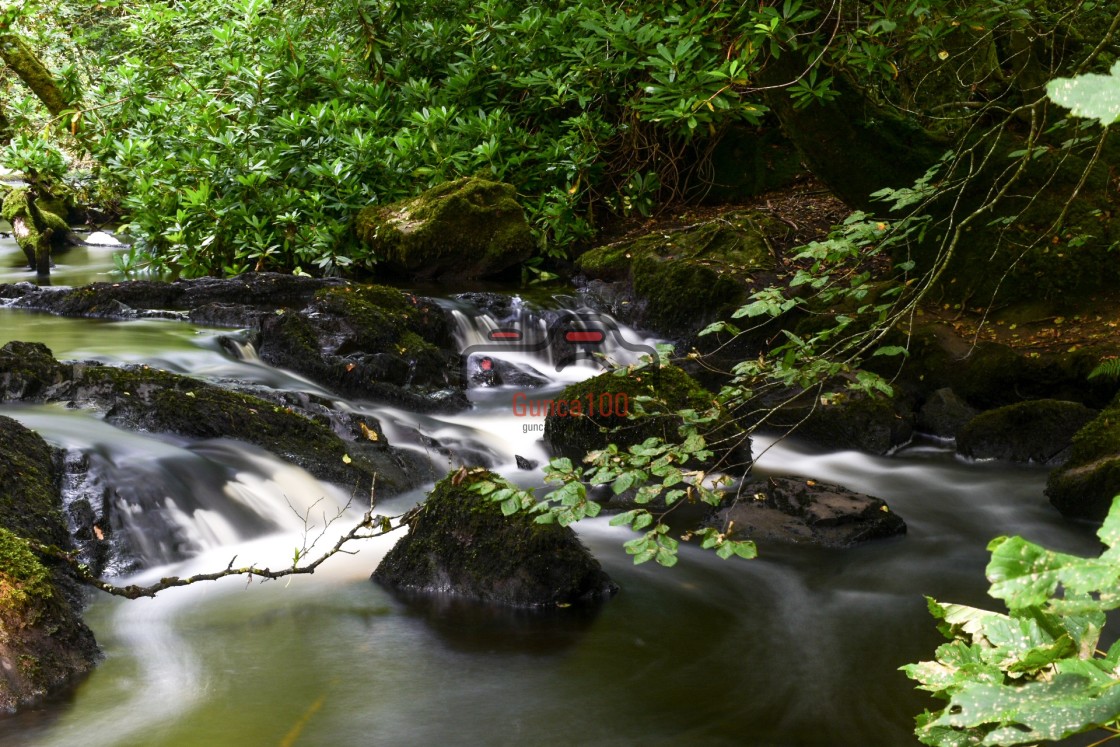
810,210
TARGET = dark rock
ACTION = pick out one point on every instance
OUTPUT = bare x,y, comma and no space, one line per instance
944,414
690,276
1037,431
526,464
804,511
467,228
874,424
1085,485
366,342
460,543
44,645
488,371
573,435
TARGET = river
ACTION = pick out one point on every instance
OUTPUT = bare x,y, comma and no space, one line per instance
799,647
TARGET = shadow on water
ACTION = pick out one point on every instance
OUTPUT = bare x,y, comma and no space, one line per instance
468,626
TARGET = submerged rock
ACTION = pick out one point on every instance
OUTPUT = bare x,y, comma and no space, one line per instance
1039,431
1085,485
466,228
44,645
460,543
805,511
572,433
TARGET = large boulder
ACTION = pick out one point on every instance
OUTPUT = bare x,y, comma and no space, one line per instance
684,278
807,512
1084,486
571,433
44,645
460,543
1039,431
466,228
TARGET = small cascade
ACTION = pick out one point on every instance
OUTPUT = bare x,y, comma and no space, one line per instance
508,342
135,501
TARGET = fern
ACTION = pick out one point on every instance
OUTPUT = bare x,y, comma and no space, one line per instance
1108,368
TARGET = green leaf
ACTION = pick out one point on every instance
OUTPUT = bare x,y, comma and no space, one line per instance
1091,95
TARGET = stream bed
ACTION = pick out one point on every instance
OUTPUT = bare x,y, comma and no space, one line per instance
799,647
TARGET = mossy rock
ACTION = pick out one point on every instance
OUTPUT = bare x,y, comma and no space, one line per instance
574,435
460,543
44,646
1039,431
690,276
1085,485
144,398
466,228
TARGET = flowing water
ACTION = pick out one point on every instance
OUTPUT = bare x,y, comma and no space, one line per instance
799,647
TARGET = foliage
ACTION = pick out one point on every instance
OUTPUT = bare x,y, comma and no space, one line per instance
243,134
1092,96
1036,673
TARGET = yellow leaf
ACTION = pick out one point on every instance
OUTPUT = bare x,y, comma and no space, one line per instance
942,55
346,459
368,432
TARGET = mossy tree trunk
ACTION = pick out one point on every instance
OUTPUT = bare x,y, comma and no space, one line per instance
31,70
33,228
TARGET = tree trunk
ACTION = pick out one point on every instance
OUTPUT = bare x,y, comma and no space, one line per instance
34,73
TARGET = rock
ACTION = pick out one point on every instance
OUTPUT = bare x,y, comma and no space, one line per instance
874,424
1037,431
460,543
805,511
143,398
365,342
943,414
488,371
572,434
467,228
687,277
100,238
1085,485
44,645
525,464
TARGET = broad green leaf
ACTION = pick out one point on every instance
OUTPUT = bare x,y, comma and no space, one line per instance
1091,95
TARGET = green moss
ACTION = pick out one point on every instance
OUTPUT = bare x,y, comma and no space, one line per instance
462,543
470,227
689,276
672,390
29,487
1085,485
24,581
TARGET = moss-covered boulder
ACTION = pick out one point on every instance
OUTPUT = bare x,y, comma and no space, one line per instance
806,512
467,228
1039,431
44,646
690,276
1084,486
368,342
842,420
578,422
460,543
